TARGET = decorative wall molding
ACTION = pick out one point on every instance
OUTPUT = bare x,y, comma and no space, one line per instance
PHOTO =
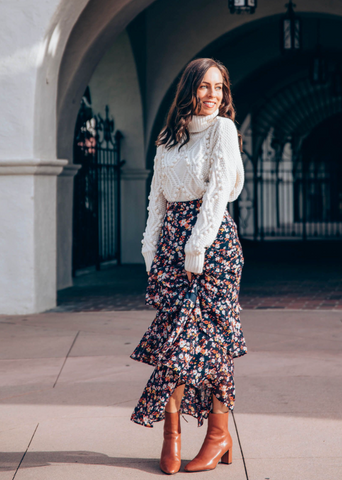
32,166
70,170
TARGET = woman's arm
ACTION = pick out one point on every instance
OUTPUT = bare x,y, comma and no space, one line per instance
156,209
226,177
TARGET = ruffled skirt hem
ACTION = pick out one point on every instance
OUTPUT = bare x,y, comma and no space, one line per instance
196,333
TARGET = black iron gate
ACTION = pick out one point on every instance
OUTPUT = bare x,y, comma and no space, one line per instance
97,197
289,198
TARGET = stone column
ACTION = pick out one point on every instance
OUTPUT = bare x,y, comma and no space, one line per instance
28,235
65,200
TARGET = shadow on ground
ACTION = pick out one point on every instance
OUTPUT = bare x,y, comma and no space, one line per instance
9,461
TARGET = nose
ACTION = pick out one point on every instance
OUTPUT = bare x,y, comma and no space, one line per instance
212,92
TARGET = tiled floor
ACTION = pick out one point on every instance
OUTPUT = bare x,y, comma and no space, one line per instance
275,276
68,388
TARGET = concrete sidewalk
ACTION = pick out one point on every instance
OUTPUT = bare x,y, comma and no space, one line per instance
68,387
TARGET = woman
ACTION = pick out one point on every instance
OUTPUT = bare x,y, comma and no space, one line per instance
194,260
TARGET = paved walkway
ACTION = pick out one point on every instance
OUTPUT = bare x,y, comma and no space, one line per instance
68,387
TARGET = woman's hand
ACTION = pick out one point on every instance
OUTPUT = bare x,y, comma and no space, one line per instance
189,274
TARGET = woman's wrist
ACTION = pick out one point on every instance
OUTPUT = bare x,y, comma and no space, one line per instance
148,257
194,263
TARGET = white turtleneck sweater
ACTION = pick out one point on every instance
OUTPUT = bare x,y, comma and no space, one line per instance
209,166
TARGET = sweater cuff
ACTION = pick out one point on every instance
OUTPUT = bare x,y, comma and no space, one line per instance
194,263
148,257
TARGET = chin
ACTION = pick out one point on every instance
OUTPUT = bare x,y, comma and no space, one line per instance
208,111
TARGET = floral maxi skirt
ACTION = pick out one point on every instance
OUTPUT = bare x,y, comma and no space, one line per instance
196,332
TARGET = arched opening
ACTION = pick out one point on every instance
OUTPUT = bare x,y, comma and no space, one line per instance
100,34
107,187
256,81
277,107
279,198
321,159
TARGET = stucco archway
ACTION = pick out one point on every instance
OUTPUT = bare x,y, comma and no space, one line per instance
48,61
77,38
167,50
79,34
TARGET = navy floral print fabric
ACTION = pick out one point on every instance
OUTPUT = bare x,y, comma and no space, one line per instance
196,332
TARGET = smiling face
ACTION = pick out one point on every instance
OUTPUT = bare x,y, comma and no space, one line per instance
210,91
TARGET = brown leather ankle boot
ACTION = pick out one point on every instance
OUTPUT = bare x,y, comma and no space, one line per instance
217,445
170,460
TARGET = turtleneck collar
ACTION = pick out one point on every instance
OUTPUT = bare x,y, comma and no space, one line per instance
201,122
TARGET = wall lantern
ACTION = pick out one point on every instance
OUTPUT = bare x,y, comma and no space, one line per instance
242,6
291,32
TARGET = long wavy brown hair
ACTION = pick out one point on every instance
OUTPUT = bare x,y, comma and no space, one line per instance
183,109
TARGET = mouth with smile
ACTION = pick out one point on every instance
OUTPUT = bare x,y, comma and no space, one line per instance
209,104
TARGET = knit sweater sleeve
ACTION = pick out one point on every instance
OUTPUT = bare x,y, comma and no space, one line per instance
156,210
226,178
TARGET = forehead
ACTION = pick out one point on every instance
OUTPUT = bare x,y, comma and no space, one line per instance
213,75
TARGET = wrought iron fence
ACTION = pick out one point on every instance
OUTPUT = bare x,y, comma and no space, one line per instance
97,197
290,199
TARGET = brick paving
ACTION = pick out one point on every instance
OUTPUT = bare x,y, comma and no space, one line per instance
276,276
293,295
304,276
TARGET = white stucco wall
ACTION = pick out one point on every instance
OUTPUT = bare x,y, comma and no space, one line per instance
17,258
27,173
27,242
60,18
21,51
115,83
32,40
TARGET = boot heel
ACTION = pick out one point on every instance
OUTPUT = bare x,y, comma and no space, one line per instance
227,458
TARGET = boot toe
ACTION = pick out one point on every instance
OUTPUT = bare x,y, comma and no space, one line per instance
196,466
169,467
189,468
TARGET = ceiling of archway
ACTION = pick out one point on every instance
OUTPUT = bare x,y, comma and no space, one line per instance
262,78
296,109
274,88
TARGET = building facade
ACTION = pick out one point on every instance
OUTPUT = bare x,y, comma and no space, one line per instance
130,55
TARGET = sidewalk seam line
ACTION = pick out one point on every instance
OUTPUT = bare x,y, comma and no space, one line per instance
28,446
66,358
238,437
